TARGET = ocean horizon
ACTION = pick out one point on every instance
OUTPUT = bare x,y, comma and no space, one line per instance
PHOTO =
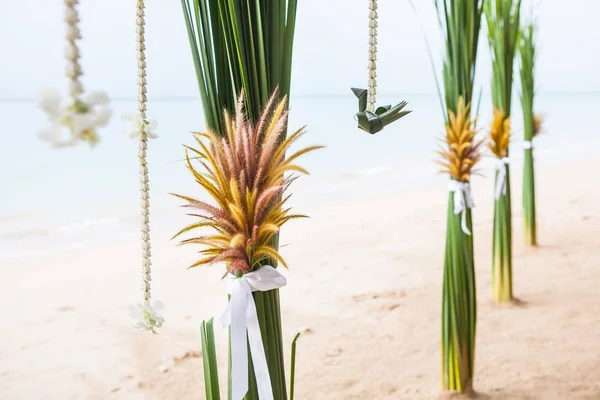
66,198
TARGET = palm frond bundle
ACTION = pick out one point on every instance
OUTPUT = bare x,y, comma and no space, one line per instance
247,173
532,127
503,18
460,21
245,45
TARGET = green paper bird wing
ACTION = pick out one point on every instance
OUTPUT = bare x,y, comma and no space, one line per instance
382,109
391,114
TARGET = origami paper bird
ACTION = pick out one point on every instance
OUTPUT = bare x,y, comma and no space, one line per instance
373,122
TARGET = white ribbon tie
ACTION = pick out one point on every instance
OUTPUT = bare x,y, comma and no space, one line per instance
500,168
462,201
528,145
241,315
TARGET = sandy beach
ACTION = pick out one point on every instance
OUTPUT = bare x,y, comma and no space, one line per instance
364,289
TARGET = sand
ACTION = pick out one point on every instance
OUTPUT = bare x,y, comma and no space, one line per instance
364,288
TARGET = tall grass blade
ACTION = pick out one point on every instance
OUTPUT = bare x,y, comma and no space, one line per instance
293,366
209,360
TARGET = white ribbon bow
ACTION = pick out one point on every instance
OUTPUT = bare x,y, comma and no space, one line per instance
500,168
528,145
462,201
241,315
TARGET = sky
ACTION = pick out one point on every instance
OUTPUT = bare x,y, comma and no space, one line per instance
329,56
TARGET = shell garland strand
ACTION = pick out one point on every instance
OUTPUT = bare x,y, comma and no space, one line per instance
372,66
146,315
73,70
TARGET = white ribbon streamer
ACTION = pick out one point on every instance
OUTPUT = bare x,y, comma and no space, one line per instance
500,168
462,201
241,315
528,145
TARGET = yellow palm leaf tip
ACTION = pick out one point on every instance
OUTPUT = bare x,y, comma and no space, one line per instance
460,150
499,134
247,173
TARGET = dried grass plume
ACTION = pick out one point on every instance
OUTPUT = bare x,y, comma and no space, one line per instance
247,173
499,134
537,125
460,151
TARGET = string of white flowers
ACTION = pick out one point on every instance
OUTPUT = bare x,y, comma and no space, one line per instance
372,66
76,117
146,315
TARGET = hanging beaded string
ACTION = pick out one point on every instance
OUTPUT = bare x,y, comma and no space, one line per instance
147,315
73,70
372,91
144,187
77,117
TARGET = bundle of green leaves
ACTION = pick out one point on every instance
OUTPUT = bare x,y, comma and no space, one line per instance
460,21
532,127
503,19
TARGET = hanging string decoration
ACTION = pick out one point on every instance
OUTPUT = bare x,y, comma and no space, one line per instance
145,314
77,117
373,119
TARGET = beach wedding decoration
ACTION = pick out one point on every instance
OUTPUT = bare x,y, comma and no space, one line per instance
460,22
373,119
532,124
240,45
78,116
146,314
502,17
247,174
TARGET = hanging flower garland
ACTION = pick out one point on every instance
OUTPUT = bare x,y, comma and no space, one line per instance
145,313
370,118
78,116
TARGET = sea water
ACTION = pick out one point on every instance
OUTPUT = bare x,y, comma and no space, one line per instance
68,198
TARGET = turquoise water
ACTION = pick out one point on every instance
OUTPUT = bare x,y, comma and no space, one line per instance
53,196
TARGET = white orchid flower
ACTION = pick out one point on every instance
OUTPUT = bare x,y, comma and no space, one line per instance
73,119
96,98
146,316
139,126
